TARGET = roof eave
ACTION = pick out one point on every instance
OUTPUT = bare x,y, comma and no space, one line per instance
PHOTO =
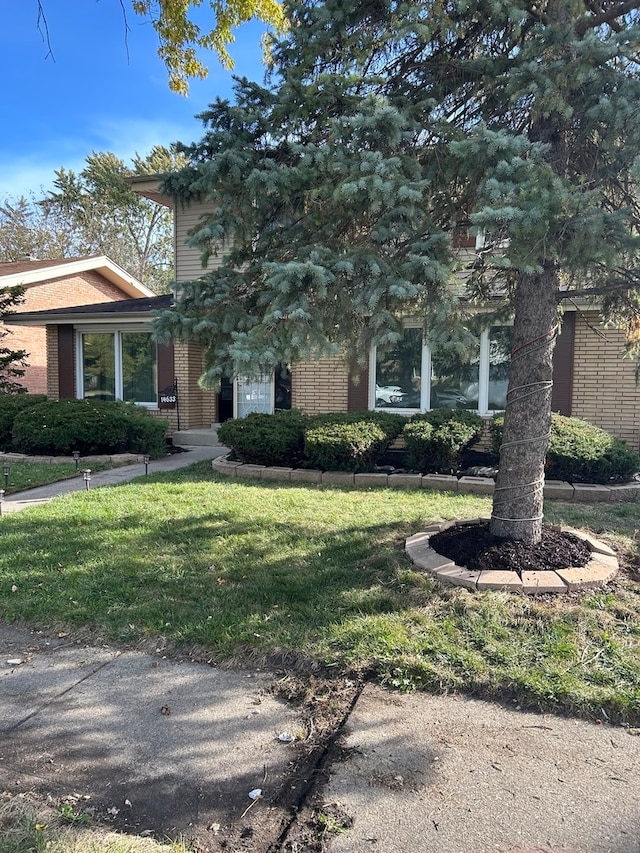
149,187
102,264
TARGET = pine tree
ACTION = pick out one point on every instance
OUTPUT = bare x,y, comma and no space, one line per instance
12,362
335,191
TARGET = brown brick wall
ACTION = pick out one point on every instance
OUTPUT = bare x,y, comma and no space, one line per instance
604,387
320,386
53,386
82,289
197,405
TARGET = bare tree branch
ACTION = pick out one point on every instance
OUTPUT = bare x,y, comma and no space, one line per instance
609,16
126,29
43,29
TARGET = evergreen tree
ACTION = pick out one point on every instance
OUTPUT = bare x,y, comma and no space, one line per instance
336,189
12,362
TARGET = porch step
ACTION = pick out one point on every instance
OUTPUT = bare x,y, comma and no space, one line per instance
196,437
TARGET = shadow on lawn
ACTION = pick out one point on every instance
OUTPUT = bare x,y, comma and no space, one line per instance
216,578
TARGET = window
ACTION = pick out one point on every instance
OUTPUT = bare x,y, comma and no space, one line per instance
120,365
265,394
413,377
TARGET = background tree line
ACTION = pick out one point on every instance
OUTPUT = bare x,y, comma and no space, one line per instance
95,212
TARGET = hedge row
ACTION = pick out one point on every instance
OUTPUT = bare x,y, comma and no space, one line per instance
350,441
581,452
30,423
435,442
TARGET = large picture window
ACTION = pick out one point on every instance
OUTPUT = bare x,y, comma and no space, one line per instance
412,376
119,365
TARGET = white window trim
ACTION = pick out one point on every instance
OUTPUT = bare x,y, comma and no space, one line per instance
117,333
425,379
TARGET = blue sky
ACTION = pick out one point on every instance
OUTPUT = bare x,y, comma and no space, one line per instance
104,89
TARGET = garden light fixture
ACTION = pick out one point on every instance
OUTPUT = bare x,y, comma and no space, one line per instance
76,457
6,470
146,461
87,477
1,500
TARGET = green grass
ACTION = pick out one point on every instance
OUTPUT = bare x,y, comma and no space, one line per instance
25,828
28,475
235,571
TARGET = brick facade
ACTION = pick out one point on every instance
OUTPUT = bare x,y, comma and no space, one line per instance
81,289
197,405
320,386
605,391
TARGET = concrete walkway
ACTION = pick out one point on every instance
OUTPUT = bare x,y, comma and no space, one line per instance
113,477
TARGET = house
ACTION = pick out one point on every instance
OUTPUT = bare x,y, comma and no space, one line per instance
592,379
56,284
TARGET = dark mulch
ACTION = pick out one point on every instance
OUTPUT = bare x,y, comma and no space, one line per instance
475,548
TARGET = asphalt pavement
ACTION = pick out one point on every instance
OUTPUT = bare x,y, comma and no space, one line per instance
150,745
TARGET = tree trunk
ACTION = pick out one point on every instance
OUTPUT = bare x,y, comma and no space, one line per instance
518,499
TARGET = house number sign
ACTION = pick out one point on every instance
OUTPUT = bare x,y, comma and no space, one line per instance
168,398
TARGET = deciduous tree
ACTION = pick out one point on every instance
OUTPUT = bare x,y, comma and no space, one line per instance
105,216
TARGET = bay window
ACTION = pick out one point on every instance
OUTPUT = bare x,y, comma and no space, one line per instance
412,376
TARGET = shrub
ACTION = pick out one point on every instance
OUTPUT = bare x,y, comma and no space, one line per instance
345,445
259,439
581,452
391,423
89,426
10,405
436,440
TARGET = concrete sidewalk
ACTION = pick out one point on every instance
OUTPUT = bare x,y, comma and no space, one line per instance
144,744
113,477
153,746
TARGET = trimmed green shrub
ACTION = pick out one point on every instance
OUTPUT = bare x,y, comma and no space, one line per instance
391,423
89,426
436,440
345,445
10,405
260,439
581,452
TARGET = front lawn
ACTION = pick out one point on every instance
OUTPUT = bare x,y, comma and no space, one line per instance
235,571
24,474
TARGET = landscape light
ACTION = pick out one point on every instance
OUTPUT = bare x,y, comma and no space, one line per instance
146,461
76,457
6,470
87,477
1,499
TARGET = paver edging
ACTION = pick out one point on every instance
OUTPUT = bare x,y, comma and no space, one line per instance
554,490
600,569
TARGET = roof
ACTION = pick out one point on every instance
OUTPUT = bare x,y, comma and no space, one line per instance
26,272
149,187
128,310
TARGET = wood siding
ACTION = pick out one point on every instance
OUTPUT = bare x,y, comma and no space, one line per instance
188,261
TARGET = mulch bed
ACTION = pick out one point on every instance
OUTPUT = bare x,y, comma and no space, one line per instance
476,549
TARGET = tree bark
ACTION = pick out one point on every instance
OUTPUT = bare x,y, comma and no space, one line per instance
518,499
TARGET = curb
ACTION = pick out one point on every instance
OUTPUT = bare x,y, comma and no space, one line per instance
553,489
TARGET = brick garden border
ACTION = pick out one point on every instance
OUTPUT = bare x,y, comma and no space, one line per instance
600,569
553,489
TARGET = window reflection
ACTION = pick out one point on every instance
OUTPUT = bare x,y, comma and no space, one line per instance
98,366
455,379
499,359
139,381
398,373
